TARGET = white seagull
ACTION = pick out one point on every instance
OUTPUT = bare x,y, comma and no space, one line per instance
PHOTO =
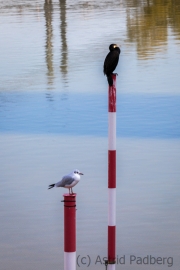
68,181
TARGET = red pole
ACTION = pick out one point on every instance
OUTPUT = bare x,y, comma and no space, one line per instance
69,232
112,175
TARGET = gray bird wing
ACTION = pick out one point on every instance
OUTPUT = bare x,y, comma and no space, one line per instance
66,180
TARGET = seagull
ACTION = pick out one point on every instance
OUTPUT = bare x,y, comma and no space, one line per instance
111,62
68,181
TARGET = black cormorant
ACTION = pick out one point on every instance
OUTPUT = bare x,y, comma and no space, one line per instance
111,62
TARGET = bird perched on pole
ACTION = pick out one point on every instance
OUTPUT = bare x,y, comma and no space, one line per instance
111,61
68,181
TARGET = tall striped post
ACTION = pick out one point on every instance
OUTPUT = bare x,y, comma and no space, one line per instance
69,232
112,175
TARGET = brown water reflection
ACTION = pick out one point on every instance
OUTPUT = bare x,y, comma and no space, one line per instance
63,26
48,13
48,10
148,24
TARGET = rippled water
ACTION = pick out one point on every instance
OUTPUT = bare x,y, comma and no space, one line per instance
53,118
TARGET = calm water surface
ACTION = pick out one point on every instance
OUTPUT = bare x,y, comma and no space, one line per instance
53,118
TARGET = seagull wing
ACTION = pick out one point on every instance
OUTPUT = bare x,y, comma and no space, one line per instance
66,181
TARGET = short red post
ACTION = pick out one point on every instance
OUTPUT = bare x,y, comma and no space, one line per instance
112,175
69,231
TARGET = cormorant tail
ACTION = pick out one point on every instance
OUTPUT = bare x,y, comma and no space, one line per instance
110,80
51,186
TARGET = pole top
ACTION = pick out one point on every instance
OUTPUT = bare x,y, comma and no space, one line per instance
114,76
69,195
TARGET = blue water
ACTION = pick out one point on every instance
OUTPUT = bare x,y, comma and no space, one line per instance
142,116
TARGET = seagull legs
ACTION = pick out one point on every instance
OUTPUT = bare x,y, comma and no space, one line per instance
70,191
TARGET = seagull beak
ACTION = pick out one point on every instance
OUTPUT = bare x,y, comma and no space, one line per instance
81,173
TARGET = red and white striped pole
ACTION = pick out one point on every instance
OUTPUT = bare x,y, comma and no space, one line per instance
112,175
69,232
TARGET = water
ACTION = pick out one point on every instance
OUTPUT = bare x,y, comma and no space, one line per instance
53,118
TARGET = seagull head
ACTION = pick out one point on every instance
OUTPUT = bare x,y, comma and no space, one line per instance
77,172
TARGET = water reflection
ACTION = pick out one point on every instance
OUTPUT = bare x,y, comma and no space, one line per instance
63,26
48,9
48,13
148,22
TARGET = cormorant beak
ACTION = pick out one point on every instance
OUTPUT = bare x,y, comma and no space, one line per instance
81,173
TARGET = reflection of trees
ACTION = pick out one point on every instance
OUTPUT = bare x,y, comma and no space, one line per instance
48,9
148,21
63,25
174,16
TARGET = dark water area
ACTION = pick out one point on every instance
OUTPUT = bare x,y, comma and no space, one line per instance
53,119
